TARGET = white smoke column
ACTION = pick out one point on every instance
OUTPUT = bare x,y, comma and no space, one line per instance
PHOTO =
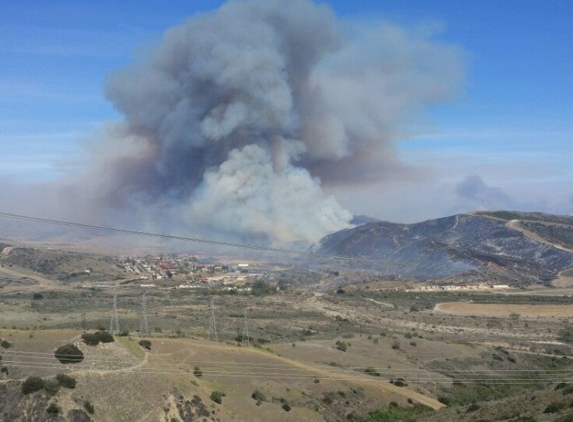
234,120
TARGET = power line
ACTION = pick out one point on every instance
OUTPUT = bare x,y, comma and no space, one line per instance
114,324
212,324
144,327
206,241
246,341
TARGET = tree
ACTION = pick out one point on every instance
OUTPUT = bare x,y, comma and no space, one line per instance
146,344
32,384
217,396
69,354
66,381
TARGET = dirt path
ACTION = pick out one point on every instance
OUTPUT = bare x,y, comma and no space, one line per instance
515,225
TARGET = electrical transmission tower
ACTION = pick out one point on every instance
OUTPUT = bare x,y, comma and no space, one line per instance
114,325
245,338
144,328
212,324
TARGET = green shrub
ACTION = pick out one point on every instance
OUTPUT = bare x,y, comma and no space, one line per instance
51,387
90,339
32,384
372,371
69,354
258,396
286,407
53,409
66,381
5,344
101,336
89,407
146,344
197,372
217,396
105,337
472,408
341,345
554,407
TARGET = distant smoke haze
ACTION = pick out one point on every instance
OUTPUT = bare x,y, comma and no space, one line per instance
236,119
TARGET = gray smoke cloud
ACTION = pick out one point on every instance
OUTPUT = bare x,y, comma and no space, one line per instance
237,118
482,196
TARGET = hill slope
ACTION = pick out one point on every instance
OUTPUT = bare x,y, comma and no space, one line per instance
465,246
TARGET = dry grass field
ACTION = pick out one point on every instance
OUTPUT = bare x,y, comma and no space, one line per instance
504,310
333,356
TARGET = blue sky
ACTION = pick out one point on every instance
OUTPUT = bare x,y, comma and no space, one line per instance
512,126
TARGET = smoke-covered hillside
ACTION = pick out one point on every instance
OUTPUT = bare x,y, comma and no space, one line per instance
475,247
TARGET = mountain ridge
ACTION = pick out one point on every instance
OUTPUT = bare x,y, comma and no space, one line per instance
463,246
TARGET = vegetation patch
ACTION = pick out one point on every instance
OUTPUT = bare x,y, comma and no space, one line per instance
89,407
146,344
69,353
217,396
258,396
93,339
32,384
66,381
392,413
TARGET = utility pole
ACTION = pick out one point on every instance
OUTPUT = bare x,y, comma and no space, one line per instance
212,324
144,328
114,325
245,340
84,320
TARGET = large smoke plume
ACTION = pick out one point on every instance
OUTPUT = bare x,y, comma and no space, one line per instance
238,116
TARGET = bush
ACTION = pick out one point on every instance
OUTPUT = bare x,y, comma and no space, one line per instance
554,407
372,371
32,384
217,396
472,408
89,407
101,336
341,345
105,337
258,396
197,372
66,381
90,339
5,344
52,387
146,344
286,407
53,409
261,288
69,354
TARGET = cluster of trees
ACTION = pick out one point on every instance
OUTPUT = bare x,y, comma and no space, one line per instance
33,384
101,336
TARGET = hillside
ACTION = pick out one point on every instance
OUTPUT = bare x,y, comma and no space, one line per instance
466,247
62,265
